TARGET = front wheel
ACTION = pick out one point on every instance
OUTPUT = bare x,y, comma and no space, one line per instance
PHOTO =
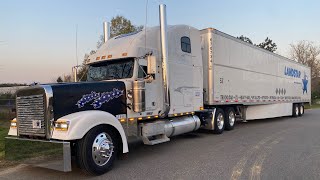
97,150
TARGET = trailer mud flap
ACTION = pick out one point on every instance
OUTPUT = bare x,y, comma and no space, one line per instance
41,153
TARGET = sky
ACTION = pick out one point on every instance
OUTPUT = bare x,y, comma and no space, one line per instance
38,37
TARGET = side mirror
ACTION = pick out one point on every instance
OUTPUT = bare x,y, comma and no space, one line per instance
152,65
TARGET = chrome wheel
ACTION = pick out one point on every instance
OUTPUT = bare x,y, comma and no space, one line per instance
232,118
301,109
102,149
220,121
297,111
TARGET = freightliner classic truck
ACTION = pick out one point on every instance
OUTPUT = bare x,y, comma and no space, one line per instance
151,85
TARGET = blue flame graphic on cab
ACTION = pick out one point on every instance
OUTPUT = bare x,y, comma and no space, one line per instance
99,98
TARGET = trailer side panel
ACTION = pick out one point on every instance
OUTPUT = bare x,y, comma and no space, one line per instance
240,73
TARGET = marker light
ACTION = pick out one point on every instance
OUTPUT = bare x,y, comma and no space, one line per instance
13,123
61,125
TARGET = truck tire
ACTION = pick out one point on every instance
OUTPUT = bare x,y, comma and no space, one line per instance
230,119
219,121
97,150
295,110
301,109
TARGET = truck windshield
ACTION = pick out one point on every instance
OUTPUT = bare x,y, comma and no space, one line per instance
113,69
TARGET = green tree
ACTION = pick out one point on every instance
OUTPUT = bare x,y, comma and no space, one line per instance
83,69
268,45
67,78
245,39
120,25
307,53
59,79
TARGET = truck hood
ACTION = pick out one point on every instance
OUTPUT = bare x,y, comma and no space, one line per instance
74,97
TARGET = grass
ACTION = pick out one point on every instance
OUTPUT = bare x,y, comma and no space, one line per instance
313,106
6,115
28,150
4,128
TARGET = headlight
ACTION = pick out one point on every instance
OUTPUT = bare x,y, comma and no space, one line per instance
61,125
13,123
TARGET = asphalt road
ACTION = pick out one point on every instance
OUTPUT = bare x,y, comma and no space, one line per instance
281,148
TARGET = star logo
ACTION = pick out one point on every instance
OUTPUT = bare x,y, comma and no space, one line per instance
305,84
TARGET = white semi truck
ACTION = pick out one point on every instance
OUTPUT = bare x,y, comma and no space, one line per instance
151,85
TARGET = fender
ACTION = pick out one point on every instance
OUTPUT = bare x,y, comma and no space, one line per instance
81,122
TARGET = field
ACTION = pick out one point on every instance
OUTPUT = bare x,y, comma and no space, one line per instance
4,128
313,106
3,133
27,151
10,89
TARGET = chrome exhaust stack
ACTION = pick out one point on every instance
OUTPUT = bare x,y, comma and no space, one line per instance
164,58
139,96
106,31
75,73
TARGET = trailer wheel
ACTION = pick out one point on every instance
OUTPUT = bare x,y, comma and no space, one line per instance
295,110
301,109
219,121
97,150
230,118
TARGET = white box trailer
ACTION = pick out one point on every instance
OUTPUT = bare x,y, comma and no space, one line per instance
236,72
151,85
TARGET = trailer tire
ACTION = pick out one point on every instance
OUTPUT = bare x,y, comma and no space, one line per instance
301,109
97,150
219,121
230,119
295,110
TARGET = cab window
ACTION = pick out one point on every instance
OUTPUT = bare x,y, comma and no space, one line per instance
141,74
185,44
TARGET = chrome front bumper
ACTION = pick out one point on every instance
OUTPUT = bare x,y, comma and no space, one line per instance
48,154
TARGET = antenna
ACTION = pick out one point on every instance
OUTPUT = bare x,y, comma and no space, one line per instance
75,68
145,27
77,44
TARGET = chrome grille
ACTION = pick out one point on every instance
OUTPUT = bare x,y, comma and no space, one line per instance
31,115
